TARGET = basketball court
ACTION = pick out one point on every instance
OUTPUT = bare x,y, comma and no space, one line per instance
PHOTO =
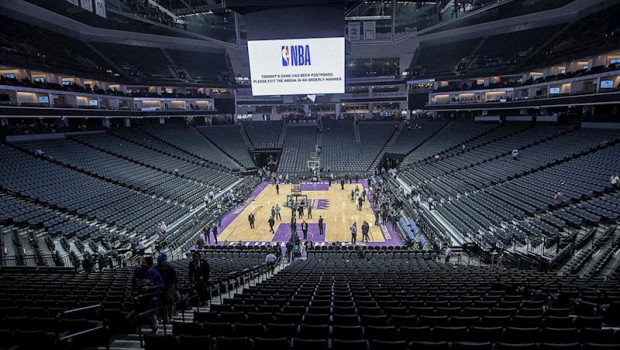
339,212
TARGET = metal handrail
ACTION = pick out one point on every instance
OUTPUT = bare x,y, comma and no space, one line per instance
86,331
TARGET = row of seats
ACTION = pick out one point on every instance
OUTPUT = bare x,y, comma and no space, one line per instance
416,303
454,134
54,186
342,153
299,143
154,156
116,169
516,335
228,138
263,134
410,138
581,178
373,316
231,343
189,140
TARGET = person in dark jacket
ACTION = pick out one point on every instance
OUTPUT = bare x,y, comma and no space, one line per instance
169,276
199,274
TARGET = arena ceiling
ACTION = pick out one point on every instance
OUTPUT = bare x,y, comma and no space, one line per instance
247,6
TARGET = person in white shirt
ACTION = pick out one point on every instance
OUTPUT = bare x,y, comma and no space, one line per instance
211,195
163,227
448,254
515,154
206,199
430,203
615,180
141,248
417,199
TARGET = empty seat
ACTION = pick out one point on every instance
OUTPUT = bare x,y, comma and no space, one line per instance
381,332
559,335
441,333
482,334
471,346
513,346
310,344
313,331
440,345
349,344
388,345
249,330
271,343
345,320
232,343
193,342
521,335
347,332
288,330
375,320
562,346
316,319
414,333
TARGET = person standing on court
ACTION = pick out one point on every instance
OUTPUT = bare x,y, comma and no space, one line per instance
277,211
365,231
359,203
304,229
321,225
354,233
251,219
271,222
300,210
293,225
342,184
277,189
309,210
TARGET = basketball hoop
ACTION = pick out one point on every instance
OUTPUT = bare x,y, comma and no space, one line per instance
314,165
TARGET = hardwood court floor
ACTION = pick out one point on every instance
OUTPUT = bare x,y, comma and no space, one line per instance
338,217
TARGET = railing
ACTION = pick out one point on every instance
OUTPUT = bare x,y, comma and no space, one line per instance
32,260
70,337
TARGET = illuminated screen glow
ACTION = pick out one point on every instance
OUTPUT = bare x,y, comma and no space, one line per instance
297,66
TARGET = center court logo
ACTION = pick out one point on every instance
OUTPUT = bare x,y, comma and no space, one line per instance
295,55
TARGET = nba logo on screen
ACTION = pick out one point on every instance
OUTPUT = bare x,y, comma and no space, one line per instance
295,55
286,56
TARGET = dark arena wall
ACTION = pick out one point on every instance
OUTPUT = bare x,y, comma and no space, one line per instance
296,23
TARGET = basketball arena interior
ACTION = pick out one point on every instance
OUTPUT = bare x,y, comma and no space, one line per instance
309,174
